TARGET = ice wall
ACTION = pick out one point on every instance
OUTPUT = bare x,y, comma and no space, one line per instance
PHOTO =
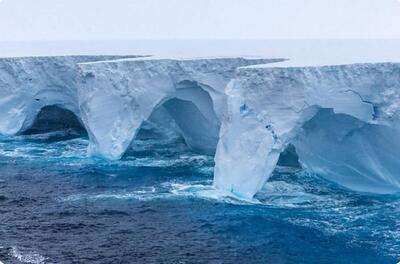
270,107
119,95
29,84
343,120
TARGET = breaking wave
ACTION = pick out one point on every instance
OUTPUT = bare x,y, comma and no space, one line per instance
27,256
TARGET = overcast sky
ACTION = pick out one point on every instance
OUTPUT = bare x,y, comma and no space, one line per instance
197,19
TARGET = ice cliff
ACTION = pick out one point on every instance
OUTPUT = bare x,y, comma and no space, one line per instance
342,120
31,83
119,95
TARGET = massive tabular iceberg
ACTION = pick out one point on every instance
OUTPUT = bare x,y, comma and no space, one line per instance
343,121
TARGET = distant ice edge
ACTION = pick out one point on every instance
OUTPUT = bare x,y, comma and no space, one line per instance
343,120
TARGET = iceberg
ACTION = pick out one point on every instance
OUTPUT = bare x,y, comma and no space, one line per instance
339,121
119,95
343,121
28,84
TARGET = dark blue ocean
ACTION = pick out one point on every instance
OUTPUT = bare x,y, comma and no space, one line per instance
157,205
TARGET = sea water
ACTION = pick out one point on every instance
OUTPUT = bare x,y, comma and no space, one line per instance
158,205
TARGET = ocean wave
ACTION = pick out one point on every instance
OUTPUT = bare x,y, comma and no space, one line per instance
170,190
142,194
284,194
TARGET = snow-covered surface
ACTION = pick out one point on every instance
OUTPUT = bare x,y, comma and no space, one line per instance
296,63
268,108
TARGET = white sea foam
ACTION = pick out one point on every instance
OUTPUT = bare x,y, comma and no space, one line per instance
283,194
208,192
0,260
26,256
143,194
168,190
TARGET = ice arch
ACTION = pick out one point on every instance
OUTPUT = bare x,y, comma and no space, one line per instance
29,84
268,108
358,155
187,114
190,106
20,113
54,118
118,96
193,111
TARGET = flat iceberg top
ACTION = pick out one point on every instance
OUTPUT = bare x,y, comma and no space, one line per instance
256,59
294,63
214,69
312,50
73,58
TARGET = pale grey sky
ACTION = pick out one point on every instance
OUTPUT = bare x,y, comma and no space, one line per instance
197,19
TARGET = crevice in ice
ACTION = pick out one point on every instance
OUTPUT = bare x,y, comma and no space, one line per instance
374,107
53,118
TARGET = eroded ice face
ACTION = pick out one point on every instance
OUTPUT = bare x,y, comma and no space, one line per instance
353,143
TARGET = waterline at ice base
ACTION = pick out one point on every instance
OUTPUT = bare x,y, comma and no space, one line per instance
342,121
